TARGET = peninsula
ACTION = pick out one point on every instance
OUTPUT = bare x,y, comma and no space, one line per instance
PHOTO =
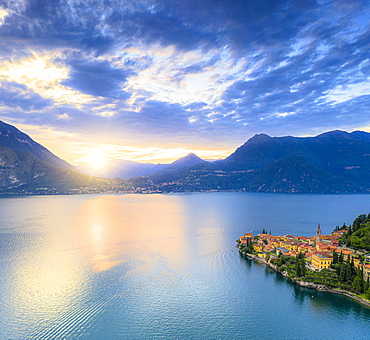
337,263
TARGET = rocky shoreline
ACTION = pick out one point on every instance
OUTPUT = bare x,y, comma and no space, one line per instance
311,285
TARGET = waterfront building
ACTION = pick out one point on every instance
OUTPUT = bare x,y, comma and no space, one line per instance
322,260
258,247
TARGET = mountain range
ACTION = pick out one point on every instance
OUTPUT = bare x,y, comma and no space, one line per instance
127,169
333,162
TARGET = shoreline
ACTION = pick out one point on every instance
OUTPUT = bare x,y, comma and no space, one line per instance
310,285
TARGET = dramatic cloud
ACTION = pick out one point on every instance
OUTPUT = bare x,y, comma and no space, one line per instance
195,74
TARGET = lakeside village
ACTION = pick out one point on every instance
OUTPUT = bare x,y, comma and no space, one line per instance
338,263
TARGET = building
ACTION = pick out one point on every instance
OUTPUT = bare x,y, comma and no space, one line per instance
346,253
322,260
366,271
318,234
258,247
281,250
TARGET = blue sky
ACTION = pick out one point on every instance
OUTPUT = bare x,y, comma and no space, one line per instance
154,80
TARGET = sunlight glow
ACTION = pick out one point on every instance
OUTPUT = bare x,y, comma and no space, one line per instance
41,75
3,14
99,155
96,159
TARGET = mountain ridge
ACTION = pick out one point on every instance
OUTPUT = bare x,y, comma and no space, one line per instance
342,158
332,162
16,140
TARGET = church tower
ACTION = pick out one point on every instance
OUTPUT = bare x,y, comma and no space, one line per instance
318,234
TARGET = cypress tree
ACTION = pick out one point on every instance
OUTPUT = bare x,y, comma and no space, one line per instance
342,275
357,284
335,257
353,269
298,268
303,267
367,284
348,276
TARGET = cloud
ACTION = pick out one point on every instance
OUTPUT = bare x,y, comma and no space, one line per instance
96,78
215,71
13,95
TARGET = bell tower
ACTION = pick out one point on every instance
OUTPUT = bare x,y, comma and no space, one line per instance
318,234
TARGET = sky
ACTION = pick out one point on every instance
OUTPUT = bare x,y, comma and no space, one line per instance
153,80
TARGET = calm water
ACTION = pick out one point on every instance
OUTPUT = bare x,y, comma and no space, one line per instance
164,267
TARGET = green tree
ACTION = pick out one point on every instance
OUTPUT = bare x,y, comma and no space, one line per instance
298,271
358,282
368,293
335,257
342,275
367,284
303,267
348,269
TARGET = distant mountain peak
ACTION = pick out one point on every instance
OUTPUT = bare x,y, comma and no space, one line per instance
333,134
191,159
259,138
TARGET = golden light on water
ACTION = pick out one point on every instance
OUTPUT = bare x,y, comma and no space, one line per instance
106,230
48,284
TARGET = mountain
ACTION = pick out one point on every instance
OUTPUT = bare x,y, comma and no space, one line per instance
122,169
128,169
26,167
16,140
21,172
182,163
296,174
335,162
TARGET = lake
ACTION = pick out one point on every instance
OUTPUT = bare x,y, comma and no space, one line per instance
164,267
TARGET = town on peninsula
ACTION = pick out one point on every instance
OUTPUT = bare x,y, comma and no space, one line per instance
337,263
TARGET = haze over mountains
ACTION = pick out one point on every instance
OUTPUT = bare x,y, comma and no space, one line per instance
127,169
333,162
27,167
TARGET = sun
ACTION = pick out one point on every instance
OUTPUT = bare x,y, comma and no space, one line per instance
96,160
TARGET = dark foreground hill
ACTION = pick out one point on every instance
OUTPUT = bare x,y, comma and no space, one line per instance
22,173
16,140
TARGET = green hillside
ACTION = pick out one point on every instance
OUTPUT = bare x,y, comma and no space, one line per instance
358,235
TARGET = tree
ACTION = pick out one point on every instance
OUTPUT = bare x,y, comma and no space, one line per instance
367,284
303,267
341,258
298,271
358,282
342,274
348,269
368,293
335,257
353,268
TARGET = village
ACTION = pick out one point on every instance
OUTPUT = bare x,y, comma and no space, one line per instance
319,252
